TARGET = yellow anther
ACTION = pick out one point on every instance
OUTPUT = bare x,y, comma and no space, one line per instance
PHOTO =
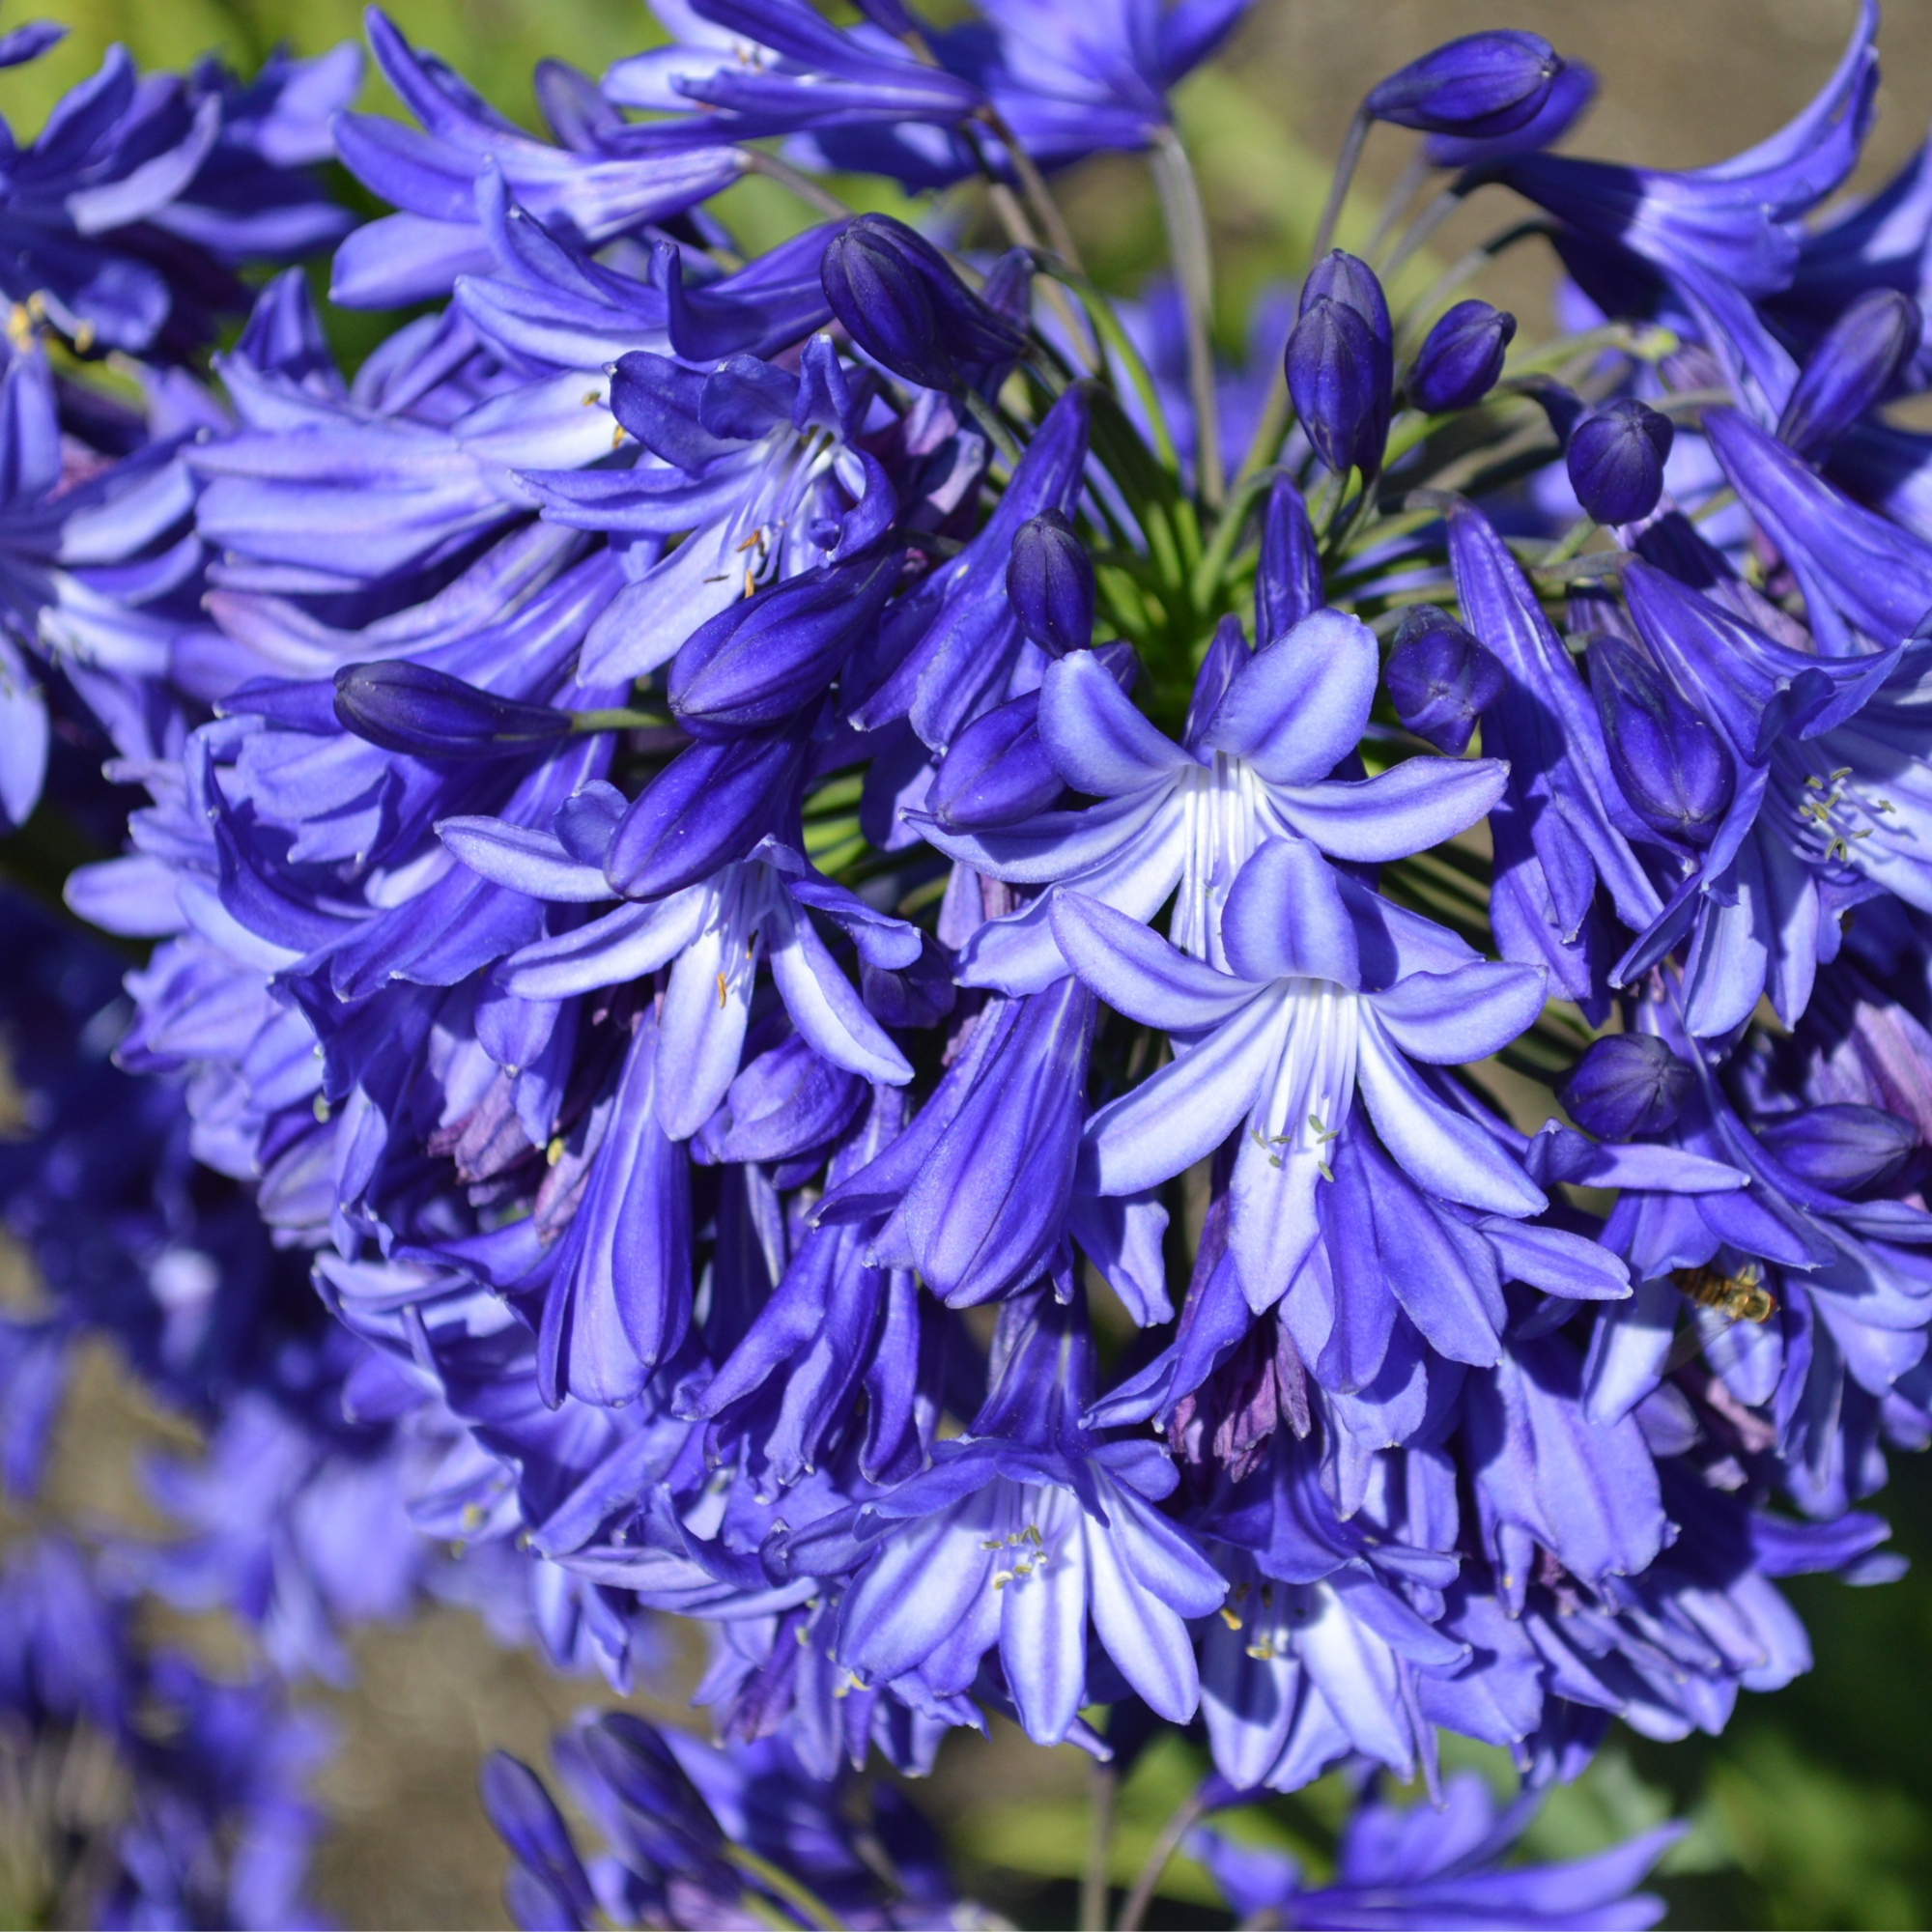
721,992
1229,1618
591,398
320,1108
555,1151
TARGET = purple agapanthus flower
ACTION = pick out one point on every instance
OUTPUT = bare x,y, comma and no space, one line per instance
1303,1045
1425,1866
1019,1530
1265,731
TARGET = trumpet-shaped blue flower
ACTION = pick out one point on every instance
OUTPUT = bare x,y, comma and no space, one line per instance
1263,733
1428,1867
1022,1529
1327,992
1759,903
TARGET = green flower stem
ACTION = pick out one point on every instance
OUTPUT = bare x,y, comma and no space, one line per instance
1187,222
1165,1846
802,1900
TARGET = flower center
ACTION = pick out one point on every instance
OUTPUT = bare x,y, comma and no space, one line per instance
1226,816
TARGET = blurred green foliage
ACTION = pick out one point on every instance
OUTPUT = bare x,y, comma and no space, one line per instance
1814,1809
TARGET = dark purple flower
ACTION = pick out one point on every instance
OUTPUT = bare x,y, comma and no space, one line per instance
1340,371
412,707
1616,461
1440,679
1853,368
1629,1084
1288,574
1050,584
1673,767
1842,1148
1481,85
1570,95
902,303
765,659
1461,357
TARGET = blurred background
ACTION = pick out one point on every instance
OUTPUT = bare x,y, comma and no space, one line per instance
1814,1809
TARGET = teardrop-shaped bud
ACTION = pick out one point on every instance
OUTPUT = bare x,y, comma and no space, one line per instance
1625,1084
1441,679
1843,1149
1461,357
1616,461
710,805
1345,278
1570,94
996,772
1336,375
903,304
1852,369
1050,584
768,656
1480,85
663,1811
428,713
1673,767
1288,575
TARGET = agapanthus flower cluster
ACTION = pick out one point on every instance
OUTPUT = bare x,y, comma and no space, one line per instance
744,852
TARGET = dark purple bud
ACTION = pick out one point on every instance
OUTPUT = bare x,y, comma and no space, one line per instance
989,1206
996,772
527,1821
1842,1148
771,655
903,304
1481,85
1672,765
1288,577
1338,374
1050,584
428,713
1344,278
1852,369
919,995
785,1102
1461,357
709,805
1627,1085
1570,94
1441,679
665,1816
1616,461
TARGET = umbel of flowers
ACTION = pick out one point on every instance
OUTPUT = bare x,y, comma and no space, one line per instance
735,842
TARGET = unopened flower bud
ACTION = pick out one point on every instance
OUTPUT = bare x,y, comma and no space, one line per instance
1480,85
1672,765
996,772
1441,679
1345,279
1616,461
1338,372
1050,584
1461,357
1629,1084
1570,94
1843,1149
427,714
1852,369
903,304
